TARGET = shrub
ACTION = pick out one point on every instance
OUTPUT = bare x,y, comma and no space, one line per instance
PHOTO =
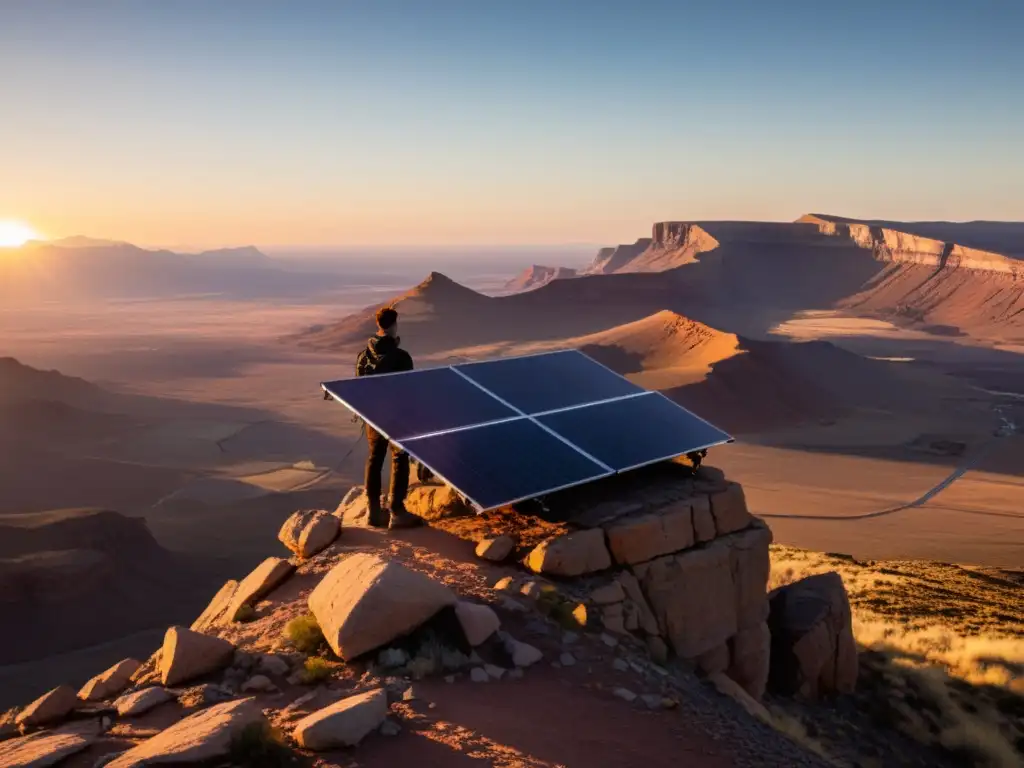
315,669
260,746
305,633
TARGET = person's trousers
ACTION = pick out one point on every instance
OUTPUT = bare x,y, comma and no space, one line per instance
378,445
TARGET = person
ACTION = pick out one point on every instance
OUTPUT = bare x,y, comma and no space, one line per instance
384,355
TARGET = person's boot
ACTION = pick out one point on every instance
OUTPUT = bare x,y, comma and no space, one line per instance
377,517
403,518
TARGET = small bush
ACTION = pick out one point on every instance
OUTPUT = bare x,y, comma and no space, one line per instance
305,633
316,669
261,746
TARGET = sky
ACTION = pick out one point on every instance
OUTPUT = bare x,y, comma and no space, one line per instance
191,122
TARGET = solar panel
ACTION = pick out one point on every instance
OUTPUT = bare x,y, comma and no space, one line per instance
501,464
547,382
632,432
508,430
403,405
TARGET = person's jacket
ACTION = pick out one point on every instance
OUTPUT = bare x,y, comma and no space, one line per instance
383,355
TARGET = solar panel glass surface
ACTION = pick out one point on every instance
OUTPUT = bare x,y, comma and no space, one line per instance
404,405
629,433
503,463
546,382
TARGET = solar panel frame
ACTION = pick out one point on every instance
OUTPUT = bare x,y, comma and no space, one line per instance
531,417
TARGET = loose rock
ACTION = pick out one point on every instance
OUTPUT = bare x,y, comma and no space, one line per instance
567,660
140,702
496,549
273,665
52,706
47,747
264,578
478,622
625,694
206,735
258,683
523,654
573,554
110,682
494,671
390,728
391,658
186,655
608,640
479,675
343,724
309,531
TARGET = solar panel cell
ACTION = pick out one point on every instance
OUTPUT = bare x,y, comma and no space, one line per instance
503,463
547,382
403,405
629,433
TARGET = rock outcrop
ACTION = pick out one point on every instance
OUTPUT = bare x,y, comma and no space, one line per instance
343,724
366,601
204,736
186,655
111,682
537,276
309,531
813,651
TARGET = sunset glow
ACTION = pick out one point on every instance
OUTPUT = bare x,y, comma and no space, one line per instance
14,234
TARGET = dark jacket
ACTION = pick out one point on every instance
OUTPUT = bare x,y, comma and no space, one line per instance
383,355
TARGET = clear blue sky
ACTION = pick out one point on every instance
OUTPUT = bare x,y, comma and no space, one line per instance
226,121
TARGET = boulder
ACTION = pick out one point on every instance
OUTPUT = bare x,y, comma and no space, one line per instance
49,708
366,601
203,736
215,613
343,724
608,593
140,702
637,539
749,653
645,617
812,646
750,562
496,549
46,748
149,672
573,554
187,654
261,582
729,510
434,501
703,522
478,622
309,531
111,682
657,649
693,596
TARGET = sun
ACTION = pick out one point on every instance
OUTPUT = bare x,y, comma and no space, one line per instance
14,234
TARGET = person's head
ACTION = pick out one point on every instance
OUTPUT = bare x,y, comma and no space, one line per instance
387,321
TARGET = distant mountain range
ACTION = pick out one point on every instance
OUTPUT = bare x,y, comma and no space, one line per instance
86,268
